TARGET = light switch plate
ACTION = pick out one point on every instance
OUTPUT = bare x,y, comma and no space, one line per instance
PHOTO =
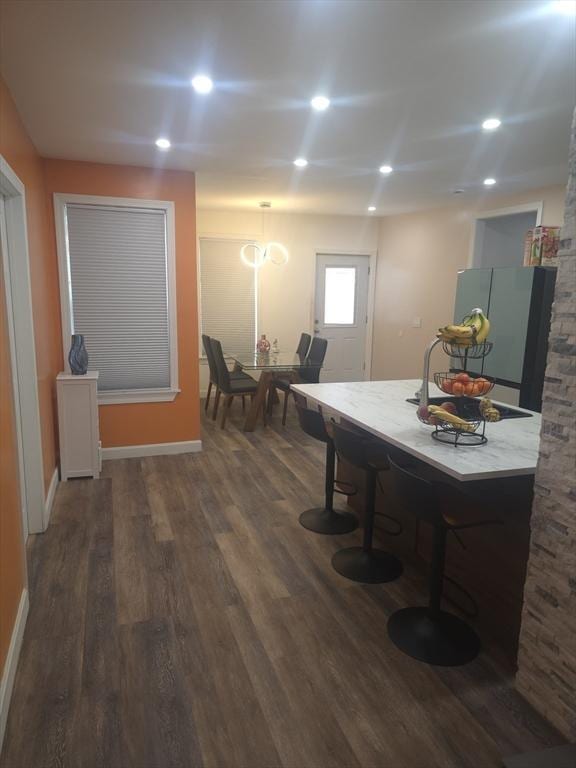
416,322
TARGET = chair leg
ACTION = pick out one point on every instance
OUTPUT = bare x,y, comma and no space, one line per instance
271,398
437,571
208,397
369,503
285,411
243,403
225,409
216,401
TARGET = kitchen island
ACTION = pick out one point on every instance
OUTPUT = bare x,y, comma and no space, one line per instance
487,481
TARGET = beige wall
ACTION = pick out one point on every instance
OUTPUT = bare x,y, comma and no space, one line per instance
419,255
286,294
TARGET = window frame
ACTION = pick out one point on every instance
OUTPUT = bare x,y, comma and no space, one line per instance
61,201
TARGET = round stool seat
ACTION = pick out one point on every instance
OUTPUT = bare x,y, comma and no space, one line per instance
328,521
368,567
444,639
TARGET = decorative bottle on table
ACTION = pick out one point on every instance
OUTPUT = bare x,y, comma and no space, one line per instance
78,356
263,345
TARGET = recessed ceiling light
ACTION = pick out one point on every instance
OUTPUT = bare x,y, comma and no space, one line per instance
202,84
320,103
300,162
163,143
489,182
565,7
386,169
491,124
371,208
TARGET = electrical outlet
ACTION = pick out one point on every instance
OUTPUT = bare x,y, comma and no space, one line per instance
416,322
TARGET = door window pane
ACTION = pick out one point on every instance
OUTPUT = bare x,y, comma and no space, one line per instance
339,295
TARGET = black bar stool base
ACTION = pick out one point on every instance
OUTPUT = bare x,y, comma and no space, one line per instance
373,567
446,641
327,521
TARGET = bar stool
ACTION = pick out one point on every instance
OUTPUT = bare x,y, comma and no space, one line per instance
325,519
365,564
428,633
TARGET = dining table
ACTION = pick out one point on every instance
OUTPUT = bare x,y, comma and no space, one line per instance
270,365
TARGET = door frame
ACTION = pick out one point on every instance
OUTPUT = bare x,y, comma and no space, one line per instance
536,207
16,271
372,262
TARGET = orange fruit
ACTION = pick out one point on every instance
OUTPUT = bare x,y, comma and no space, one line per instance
458,389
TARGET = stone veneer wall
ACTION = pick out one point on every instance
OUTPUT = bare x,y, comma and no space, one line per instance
547,659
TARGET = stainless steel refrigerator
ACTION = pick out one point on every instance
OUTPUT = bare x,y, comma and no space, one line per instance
518,302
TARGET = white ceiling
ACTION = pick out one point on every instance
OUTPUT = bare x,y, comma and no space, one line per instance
410,82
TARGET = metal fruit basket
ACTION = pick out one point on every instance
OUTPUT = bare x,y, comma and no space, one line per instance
448,433
467,351
474,387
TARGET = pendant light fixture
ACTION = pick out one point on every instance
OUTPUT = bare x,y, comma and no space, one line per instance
256,255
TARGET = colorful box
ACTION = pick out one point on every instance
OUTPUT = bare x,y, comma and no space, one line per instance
544,247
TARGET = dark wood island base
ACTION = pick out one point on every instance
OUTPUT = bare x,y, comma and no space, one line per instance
488,562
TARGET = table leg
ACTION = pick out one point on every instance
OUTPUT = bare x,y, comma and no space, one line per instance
259,401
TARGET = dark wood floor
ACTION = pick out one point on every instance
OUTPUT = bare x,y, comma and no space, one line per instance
180,616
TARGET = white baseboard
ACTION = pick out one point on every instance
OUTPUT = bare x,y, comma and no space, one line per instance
151,449
9,671
50,497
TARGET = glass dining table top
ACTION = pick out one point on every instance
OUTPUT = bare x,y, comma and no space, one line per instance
269,360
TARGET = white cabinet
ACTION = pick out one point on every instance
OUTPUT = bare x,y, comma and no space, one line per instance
78,425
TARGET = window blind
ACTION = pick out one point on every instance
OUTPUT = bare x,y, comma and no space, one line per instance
227,294
119,293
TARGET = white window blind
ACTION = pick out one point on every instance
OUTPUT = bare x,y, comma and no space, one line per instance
118,282
227,294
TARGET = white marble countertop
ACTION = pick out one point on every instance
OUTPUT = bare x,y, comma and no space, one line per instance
380,407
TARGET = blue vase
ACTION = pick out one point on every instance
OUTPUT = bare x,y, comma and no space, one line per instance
78,357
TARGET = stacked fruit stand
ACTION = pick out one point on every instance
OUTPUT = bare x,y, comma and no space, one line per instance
462,419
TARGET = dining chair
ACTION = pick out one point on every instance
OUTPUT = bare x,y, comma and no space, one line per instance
228,384
303,344
288,376
308,375
213,371
213,376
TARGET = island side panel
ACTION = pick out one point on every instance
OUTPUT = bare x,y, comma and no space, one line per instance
492,567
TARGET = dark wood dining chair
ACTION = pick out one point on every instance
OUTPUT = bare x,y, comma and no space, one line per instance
301,351
213,372
308,375
213,376
303,344
228,384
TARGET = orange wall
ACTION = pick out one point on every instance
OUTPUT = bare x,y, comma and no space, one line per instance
11,551
140,423
21,155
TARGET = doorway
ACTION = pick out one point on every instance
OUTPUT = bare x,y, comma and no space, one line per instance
16,274
341,314
499,236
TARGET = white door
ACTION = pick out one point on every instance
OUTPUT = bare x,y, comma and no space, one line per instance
341,314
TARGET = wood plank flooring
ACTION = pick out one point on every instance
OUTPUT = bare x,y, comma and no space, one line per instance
180,617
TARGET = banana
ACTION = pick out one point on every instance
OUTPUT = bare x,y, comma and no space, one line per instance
484,331
474,320
473,329
450,418
458,331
